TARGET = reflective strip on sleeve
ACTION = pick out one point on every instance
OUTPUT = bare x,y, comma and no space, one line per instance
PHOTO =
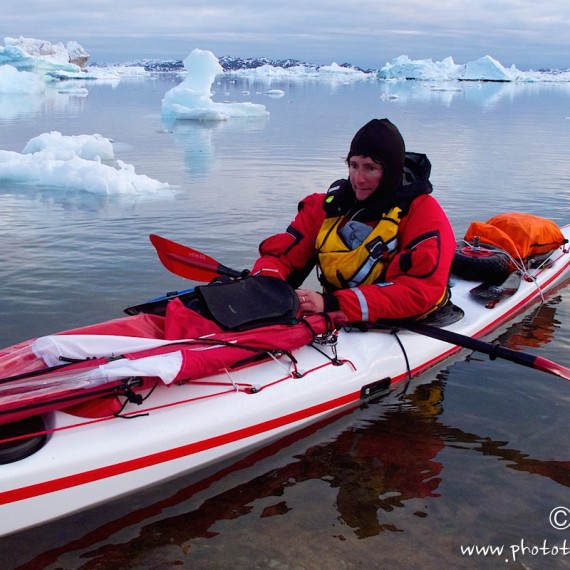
363,304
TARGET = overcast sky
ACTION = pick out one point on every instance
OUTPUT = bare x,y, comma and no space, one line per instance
367,33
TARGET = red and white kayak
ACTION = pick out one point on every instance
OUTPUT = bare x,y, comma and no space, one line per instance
74,462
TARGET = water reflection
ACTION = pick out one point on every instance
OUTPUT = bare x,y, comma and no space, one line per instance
13,106
486,95
198,139
535,329
42,198
18,106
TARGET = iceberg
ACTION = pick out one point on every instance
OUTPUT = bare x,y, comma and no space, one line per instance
483,69
192,99
342,72
39,56
403,67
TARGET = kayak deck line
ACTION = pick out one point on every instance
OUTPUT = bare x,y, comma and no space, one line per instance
54,485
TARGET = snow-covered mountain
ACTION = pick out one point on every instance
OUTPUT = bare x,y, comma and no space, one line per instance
231,63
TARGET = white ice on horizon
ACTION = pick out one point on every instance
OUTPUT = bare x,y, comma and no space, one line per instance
192,99
51,62
74,162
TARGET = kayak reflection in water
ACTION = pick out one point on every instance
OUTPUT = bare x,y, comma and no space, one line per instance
382,245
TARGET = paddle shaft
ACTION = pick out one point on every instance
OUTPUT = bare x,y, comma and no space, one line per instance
158,306
493,350
185,256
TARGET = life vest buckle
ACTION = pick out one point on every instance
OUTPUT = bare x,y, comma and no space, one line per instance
378,249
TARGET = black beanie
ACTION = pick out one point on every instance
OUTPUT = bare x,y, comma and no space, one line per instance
381,141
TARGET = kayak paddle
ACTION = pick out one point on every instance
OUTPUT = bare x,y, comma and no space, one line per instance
493,350
189,263
192,264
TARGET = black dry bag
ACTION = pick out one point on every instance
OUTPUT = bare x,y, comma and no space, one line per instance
249,303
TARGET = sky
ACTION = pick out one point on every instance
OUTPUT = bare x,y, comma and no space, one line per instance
367,33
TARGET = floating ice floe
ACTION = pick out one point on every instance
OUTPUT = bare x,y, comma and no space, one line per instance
74,162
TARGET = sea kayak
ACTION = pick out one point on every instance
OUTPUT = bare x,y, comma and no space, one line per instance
169,428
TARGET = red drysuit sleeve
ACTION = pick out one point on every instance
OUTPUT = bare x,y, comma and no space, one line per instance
291,250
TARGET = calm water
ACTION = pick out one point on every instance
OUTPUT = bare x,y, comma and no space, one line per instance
475,453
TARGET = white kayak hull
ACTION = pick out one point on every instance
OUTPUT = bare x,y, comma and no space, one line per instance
184,428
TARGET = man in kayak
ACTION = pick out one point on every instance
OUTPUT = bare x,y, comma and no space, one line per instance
382,244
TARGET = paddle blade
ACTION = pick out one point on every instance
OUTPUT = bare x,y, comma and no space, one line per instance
553,368
187,262
184,261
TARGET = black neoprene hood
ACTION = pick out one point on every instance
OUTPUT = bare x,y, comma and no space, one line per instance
380,140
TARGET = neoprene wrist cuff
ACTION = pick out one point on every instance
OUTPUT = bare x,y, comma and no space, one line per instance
331,303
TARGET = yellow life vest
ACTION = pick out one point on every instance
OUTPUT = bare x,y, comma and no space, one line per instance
342,267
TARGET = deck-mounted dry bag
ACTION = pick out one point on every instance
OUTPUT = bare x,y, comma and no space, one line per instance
493,249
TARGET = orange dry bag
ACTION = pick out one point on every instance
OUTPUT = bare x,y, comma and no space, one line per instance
521,235
493,249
